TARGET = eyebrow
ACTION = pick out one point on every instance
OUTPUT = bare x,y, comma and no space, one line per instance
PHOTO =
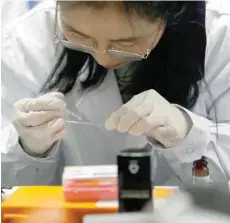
125,39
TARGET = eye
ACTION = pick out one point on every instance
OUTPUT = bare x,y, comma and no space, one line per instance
71,32
127,45
76,35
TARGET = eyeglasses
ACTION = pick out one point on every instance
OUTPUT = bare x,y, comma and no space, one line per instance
92,49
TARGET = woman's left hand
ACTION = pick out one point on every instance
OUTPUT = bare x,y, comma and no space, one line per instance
149,114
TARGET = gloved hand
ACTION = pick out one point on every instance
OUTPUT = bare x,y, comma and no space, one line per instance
39,122
149,114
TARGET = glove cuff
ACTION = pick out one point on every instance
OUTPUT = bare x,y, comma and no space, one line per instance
34,154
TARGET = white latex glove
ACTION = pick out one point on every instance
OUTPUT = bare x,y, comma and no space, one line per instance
149,114
39,122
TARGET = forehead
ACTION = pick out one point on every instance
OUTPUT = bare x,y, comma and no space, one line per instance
109,19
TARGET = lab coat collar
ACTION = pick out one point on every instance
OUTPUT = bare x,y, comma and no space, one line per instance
98,104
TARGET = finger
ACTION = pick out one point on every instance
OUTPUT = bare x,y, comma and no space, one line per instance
136,100
157,119
37,118
50,101
167,135
140,110
113,120
38,104
60,134
55,125
45,104
20,105
42,132
140,128
145,125
127,121
154,134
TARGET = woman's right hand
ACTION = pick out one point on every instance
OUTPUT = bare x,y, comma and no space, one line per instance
40,122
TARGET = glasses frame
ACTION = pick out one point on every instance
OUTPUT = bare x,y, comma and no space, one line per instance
92,49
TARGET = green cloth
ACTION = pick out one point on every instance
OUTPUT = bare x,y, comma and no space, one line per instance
123,76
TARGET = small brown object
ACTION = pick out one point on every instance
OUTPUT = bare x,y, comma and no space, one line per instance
200,172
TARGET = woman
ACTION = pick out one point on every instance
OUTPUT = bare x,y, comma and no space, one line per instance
135,67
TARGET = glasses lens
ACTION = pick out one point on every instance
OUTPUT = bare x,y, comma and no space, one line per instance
82,48
126,56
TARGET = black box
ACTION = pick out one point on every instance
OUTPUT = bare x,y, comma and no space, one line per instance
135,179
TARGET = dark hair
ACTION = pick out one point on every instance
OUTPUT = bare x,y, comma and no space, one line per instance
174,66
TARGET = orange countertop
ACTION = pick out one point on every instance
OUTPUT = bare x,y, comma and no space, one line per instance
25,200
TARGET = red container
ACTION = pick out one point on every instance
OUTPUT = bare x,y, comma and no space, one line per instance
90,184
91,190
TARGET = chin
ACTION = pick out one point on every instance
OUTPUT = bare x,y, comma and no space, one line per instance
121,65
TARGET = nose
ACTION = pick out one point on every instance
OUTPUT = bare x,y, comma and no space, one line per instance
105,60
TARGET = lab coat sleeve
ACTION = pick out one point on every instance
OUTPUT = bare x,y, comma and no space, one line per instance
19,168
24,69
210,132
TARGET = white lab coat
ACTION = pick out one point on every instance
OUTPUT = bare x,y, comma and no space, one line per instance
11,10
28,55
